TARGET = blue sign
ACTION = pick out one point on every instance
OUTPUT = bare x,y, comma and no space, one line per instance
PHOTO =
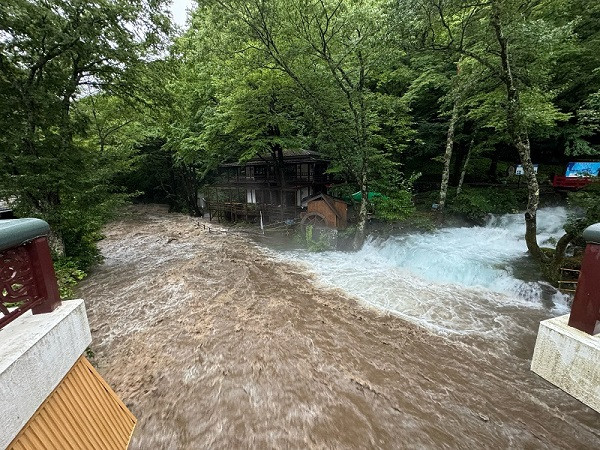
583,169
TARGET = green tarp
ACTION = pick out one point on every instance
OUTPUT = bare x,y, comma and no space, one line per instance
370,196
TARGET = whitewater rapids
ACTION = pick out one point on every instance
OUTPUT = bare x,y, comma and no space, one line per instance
461,280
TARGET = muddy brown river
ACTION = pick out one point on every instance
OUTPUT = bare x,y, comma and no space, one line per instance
214,343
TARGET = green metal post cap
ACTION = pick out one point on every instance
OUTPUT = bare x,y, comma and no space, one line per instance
15,232
592,234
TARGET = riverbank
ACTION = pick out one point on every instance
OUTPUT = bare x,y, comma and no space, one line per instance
212,343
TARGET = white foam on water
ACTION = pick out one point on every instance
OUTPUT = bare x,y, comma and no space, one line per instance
454,280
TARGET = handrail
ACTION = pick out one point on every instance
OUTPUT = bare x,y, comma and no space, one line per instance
585,311
560,181
27,278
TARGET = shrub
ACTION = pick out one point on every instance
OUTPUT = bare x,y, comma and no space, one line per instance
68,275
324,242
476,203
397,207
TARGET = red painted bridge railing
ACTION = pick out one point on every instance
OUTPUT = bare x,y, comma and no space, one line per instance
27,278
585,311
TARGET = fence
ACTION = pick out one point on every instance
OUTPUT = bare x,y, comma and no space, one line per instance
585,311
27,278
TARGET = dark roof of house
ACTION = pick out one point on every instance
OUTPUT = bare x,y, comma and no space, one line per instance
289,155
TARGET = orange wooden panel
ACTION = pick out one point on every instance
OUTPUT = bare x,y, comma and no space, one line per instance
83,412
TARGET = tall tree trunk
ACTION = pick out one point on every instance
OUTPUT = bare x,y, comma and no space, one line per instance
359,236
277,154
278,160
464,168
448,157
54,195
533,199
493,169
56,243
190,186
362,139
518,134
561,248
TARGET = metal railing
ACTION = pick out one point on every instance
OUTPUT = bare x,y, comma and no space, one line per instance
27,278
568,279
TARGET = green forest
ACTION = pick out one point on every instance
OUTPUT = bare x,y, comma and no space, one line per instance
105,102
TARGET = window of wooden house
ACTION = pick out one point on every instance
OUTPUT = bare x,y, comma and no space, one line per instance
230,173
289,172
240,196
275,197
290,198
260,196
260,172
303,171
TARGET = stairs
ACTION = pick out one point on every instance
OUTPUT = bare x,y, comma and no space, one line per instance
568,280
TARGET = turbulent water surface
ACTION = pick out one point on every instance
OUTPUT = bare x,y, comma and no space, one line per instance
467,280
416,341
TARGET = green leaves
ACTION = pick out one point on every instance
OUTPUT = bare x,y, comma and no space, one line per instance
395,208
90,91
60,151
585,210
296,76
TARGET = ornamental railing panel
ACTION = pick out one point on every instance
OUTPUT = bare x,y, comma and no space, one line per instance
27,278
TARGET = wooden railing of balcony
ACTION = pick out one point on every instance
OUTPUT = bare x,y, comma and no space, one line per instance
308,178
246,211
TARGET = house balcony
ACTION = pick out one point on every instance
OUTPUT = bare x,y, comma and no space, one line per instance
225,180
234,211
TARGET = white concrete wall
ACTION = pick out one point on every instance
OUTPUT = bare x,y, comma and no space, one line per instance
36,352
569,359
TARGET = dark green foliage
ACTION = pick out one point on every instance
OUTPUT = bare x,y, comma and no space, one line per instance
319,240
395,208
476,203
68,274
152,175
60,158
585,205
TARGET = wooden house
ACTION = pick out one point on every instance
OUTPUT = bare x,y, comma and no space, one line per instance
274,187
324,210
